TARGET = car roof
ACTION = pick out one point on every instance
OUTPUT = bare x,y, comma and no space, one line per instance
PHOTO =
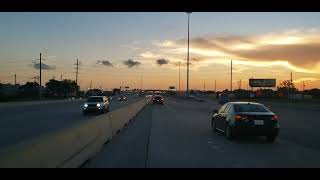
243,102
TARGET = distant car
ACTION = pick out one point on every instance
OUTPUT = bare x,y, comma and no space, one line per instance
96,104
245,118
122,98
157,100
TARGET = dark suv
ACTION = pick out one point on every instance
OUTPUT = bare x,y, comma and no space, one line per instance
96,104
157,99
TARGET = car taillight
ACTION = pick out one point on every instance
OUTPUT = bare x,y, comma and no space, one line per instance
274,118
239,117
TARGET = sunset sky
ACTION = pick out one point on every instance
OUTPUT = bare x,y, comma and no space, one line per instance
114,49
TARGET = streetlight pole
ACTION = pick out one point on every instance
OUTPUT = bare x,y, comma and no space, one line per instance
188,56
179,76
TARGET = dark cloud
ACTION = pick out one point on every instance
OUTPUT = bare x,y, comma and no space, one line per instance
105,63
43,66
304,55
161,62
131,63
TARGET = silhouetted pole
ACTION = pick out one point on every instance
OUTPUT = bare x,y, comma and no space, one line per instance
15,79
215,86
231,78
40,78
188,56
77,72
141,82
179,77
61,85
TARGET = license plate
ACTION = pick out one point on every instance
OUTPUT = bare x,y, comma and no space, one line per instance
258,122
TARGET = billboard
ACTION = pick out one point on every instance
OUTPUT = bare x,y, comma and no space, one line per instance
262,82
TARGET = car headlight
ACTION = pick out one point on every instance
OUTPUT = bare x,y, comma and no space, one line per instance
85,105
98,105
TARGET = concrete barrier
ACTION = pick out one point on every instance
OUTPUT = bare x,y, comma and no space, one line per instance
30,103
70,147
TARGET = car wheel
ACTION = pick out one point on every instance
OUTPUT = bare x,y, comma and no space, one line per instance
228,132
213,125
271,139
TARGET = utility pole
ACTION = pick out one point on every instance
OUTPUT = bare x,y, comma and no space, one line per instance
188,56
61,85
182,85
204,86
231,78
141,82
179,76
303,85
215,86
291,77
40,78
240,84
77,72
15,80
91,84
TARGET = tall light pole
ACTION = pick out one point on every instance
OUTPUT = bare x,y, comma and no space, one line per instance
179,76
231,78
40,77
188,56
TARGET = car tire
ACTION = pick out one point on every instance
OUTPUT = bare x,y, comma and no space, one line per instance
271,139
213,125
228,132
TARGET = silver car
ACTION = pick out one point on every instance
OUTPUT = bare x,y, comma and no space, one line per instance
96,104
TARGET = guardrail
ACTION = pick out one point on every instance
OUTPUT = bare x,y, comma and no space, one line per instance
70,147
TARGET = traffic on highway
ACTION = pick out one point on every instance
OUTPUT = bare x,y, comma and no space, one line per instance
160,90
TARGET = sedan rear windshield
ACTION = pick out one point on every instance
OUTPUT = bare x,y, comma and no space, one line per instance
95,99
157,97
249,108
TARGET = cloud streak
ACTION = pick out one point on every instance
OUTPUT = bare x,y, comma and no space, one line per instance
43,66
161,62
131,63
105,63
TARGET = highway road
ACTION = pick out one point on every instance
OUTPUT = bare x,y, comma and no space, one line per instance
19,123
178,135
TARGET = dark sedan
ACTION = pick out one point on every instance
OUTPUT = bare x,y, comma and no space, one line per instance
245,118
157,100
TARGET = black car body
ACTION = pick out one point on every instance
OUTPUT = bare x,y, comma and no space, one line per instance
245,118
157,100
96,104
122,98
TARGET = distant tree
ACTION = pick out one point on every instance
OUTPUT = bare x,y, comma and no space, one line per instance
54,87
30,89
315,93
287,87
64,88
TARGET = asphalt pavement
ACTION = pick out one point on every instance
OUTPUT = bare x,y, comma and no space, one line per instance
20,123
178,135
